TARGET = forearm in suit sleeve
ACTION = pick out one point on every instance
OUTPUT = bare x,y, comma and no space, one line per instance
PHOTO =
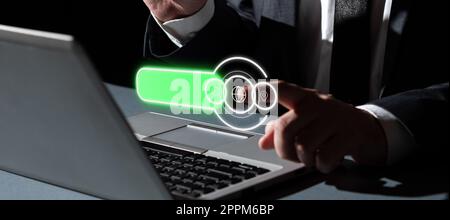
424,112
226,34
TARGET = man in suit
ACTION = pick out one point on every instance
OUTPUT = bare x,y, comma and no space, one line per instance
389,57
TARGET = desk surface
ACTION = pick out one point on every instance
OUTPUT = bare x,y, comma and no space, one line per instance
410,181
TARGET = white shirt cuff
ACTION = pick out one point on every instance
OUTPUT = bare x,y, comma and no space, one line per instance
400,141
180,31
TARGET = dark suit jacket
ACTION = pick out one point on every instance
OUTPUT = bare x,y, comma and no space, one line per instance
265,30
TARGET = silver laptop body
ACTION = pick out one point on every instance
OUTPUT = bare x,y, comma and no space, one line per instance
59,125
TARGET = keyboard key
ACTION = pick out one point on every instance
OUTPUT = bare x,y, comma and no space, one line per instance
158,166
235,180
188,166
211,188
239,169
210,177
247,167
200,168
195,194
163,160
225,166
177,163
261,170
165,175
218,185
200,156
189,158
249,175
212,164
252,172
168,169
186,180
200,184
222,161
234,164
186,187
174,157
178,193
205,190
226,182
191,174
201,161
239,177
180,172
173,166
161,149
219,174
227,170
175,178
206,181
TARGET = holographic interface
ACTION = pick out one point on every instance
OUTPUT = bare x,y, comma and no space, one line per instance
238,91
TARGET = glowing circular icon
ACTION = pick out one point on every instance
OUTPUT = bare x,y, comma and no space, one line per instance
215,84
264,96
241,93
251,103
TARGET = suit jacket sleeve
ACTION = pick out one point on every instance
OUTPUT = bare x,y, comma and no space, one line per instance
226,34
424,112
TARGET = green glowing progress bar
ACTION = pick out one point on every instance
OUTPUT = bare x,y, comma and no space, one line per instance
193,89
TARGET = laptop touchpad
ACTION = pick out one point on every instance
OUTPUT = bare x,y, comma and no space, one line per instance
201,136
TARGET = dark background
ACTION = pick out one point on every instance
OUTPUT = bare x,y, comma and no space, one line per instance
112,32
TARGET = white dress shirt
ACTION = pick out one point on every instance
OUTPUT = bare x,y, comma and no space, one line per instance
180,31
399,139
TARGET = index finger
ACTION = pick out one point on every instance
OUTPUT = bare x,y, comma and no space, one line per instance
289,95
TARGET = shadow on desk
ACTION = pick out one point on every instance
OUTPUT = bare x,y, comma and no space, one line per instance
412,179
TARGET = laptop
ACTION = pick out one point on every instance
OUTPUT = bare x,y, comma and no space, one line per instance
59,125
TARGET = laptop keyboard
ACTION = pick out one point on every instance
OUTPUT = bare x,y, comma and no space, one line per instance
191,175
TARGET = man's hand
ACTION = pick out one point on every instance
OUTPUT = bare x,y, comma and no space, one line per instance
166,10
319,131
